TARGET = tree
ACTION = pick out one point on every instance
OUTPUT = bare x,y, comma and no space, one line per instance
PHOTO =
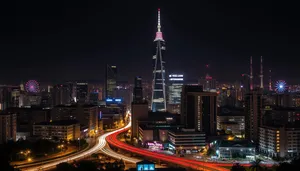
87,165
55,138
64,167
237,167
121,165
255,165
95,155
293,166
211,152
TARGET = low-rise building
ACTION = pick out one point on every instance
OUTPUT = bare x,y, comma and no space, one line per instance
236,149
279,141
63,129
186,141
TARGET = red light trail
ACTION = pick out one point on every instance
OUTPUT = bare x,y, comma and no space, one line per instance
113,140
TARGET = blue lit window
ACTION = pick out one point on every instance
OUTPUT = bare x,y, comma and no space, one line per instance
151,167
140,167
146,167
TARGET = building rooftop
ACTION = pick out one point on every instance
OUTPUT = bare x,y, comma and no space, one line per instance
32,108
278,108
7,113
59,122
240,143
145,162
231,111
77,105
185,132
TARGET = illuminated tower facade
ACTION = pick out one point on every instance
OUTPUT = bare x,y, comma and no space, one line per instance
110,80
261,74
158,102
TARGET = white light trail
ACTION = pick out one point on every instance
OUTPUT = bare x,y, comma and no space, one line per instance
101,145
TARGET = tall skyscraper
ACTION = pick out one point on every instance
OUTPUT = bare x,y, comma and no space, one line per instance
82,92
138,90
253,105
110,80
175,88
199,109
158,102
139,107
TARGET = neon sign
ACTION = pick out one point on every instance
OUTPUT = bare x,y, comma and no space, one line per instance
118,100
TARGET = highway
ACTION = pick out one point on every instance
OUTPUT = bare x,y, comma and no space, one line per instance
106,149
100,145
112,139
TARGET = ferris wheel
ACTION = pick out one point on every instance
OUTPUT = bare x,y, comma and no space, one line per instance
32,86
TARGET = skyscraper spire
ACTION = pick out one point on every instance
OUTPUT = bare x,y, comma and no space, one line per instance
261,73
158,102
158,20
251,74
159,35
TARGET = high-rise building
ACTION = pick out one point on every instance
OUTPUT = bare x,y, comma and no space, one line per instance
208,83
9,96
73,91
110,81
61,94
82,94
139,107
199,109
253,105
8,128
138,90
158,102
175,88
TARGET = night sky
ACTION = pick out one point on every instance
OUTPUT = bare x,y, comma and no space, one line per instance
50,41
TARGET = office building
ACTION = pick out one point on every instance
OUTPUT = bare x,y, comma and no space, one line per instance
208,83
199,109
26,117
82,95
253,116
175,88
87,115
110,81
158,102
63,130
139,107
138,90
61,94
232,120
236,149
8,127
124,93
9,96
279,141
186,141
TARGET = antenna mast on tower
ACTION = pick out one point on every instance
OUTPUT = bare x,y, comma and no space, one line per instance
251,74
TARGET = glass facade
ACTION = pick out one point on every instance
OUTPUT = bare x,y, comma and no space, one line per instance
175,88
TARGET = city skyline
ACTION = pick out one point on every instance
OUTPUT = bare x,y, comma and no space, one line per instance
76,41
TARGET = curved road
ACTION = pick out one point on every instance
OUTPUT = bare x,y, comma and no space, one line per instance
100,145
112,139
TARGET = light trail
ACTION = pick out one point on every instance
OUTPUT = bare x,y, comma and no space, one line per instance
100,145
112,139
